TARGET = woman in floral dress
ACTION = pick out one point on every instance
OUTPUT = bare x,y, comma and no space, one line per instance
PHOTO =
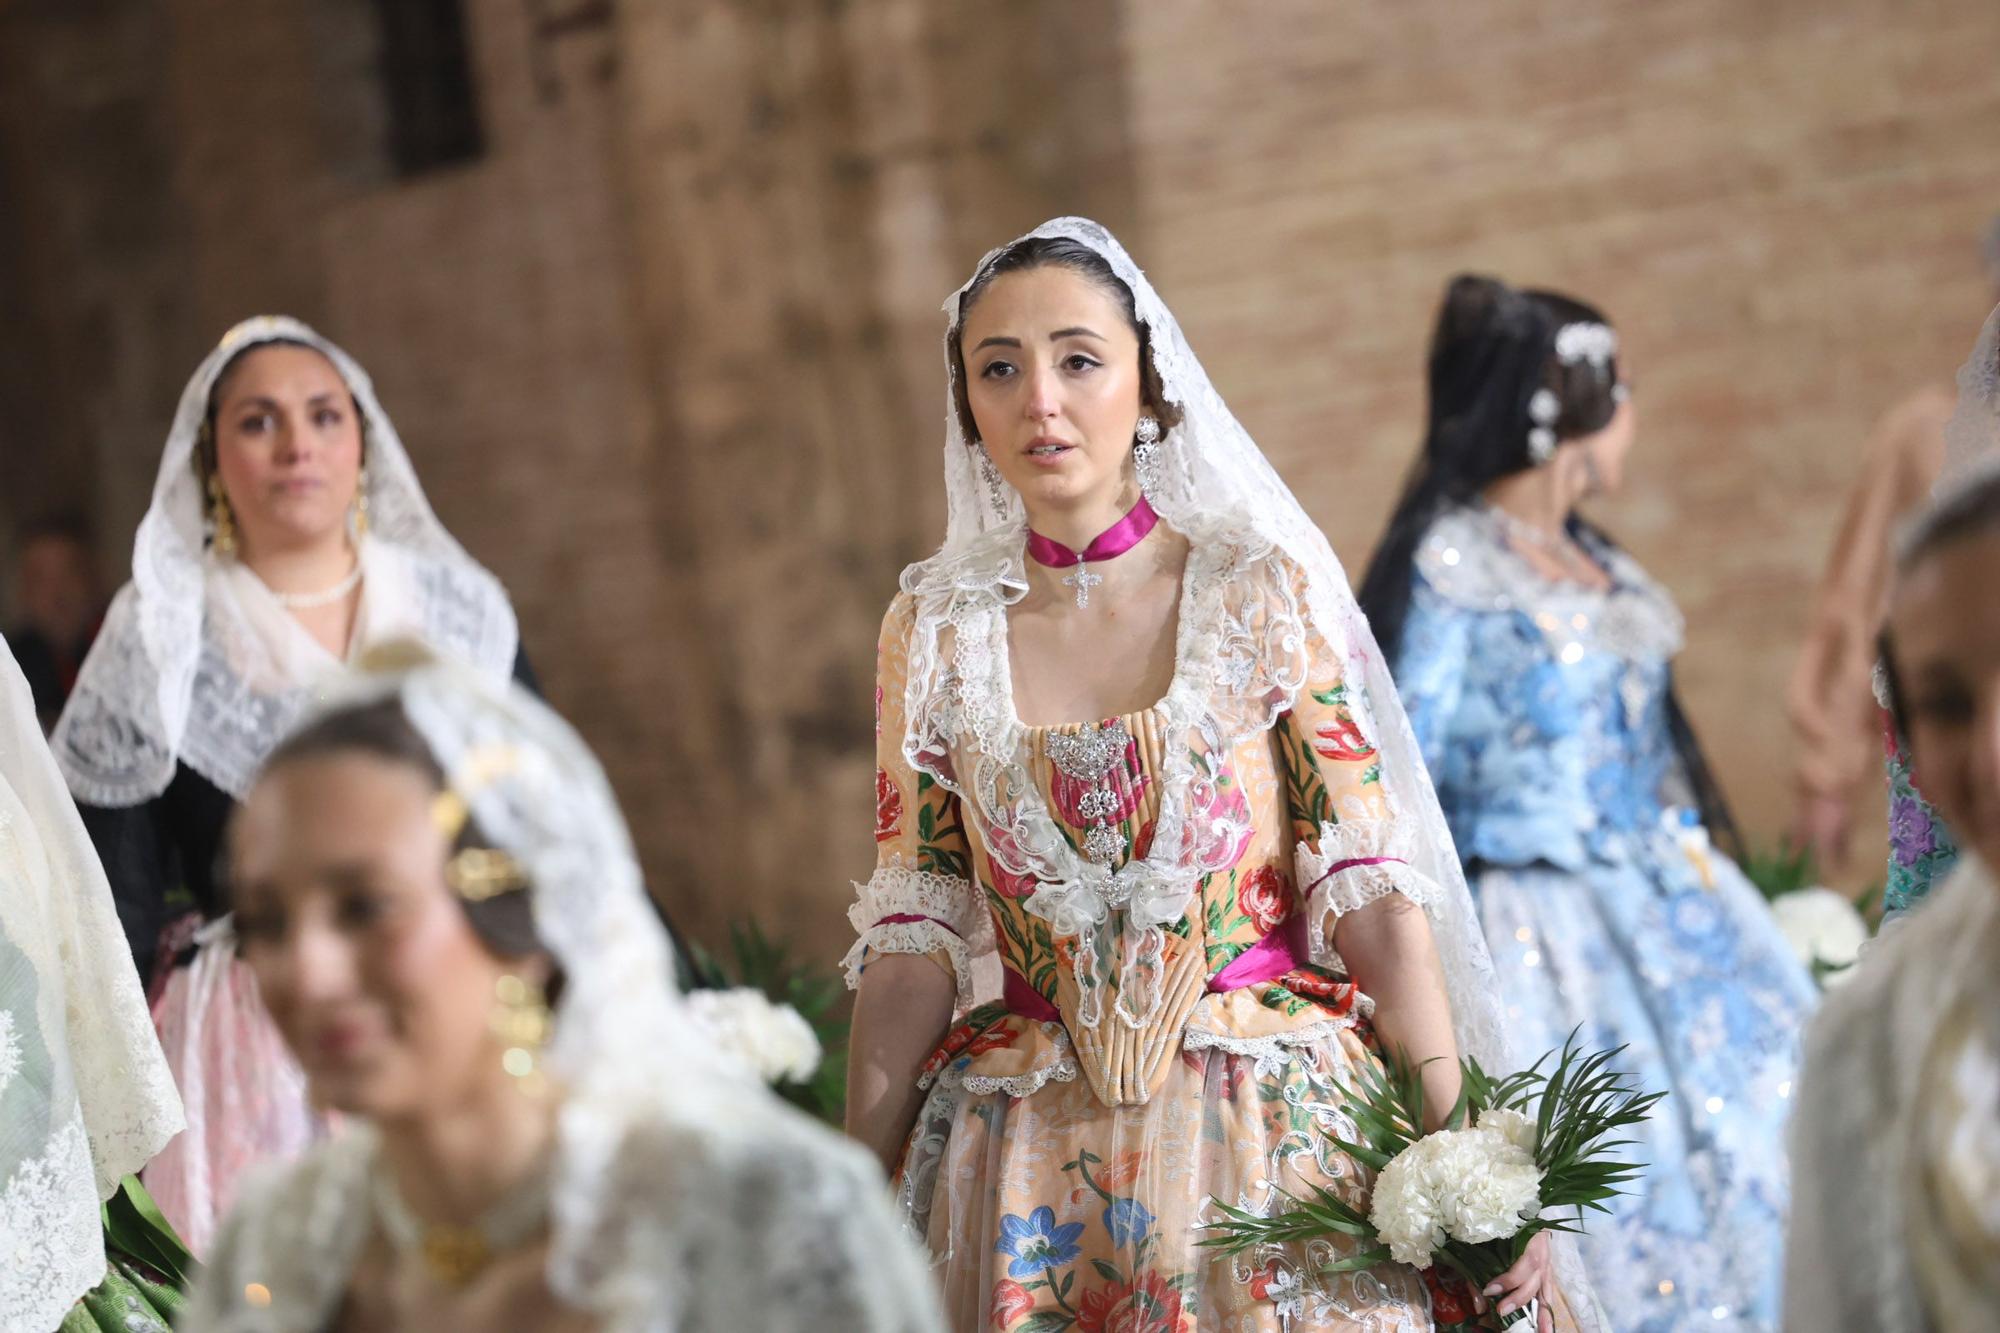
1136,740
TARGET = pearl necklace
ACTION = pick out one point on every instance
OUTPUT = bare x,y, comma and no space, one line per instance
307,601
453,1254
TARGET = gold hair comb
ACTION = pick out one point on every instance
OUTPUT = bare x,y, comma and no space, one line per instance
478,873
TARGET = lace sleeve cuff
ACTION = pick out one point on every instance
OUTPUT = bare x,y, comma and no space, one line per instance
1356,862
900,910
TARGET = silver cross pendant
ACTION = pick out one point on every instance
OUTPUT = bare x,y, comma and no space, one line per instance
1083,581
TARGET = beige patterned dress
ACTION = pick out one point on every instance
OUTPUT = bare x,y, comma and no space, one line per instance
1077,1128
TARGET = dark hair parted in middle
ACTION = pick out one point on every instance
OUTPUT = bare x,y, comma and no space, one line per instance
205,461
1058,252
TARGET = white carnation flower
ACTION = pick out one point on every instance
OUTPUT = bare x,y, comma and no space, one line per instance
1492,1187
1517,1127
1404,1208
1821,926
773,1041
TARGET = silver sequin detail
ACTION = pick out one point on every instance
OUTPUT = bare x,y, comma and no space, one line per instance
1103,844
1098,804
1089,754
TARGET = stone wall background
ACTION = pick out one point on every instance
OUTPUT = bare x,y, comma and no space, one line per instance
667,350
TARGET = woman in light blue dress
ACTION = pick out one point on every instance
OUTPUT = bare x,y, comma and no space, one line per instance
1534,658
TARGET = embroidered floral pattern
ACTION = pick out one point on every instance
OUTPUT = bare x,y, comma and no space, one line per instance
1147,1304
1922,852
1265,897
1037,1244
888,807
1011,1302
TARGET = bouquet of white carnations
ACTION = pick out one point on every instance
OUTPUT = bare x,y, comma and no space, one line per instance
797,1042
1517,1156
772,1040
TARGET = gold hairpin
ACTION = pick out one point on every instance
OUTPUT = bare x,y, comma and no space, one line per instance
478,873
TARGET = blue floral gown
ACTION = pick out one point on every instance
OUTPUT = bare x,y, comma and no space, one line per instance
1541,709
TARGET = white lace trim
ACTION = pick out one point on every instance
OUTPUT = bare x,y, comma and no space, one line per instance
917,937
747,1216
92,1098
899,890
51,1238
1058,1066
1334,893
1271,1052
1464,557
960,926
1240,662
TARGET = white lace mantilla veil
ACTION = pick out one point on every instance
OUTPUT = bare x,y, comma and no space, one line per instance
176,676
1972,436
85,1097
684,1196
1216,488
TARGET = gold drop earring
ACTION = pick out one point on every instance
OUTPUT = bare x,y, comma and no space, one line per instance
222,521
361,503
522,1021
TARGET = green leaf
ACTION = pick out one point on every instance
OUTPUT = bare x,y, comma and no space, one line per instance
1048,1321
1106,1271
1355,1263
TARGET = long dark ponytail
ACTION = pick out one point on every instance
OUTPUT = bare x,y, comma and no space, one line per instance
1493,348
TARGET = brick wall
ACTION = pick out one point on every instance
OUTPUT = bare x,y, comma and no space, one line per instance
1779,204
667,354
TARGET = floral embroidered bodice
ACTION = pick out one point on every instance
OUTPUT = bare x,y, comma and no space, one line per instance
1541,707
1165,878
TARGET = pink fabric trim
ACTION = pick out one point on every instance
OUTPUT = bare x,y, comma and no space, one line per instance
1024,999
1339,866
903,918
1273,956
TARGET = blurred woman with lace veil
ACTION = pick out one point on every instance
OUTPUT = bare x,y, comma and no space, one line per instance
1134,736
85,1098
287,532
1534,656
439,899
1837,722
1896,1149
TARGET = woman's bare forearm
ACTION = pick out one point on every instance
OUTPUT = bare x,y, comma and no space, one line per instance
900,1012
1390,954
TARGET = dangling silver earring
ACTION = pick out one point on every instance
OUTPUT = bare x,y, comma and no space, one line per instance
1543,409
1146,455
996,485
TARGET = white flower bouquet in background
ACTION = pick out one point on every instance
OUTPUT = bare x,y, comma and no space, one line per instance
1825,930
1517,1156
808,1070
772,1040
